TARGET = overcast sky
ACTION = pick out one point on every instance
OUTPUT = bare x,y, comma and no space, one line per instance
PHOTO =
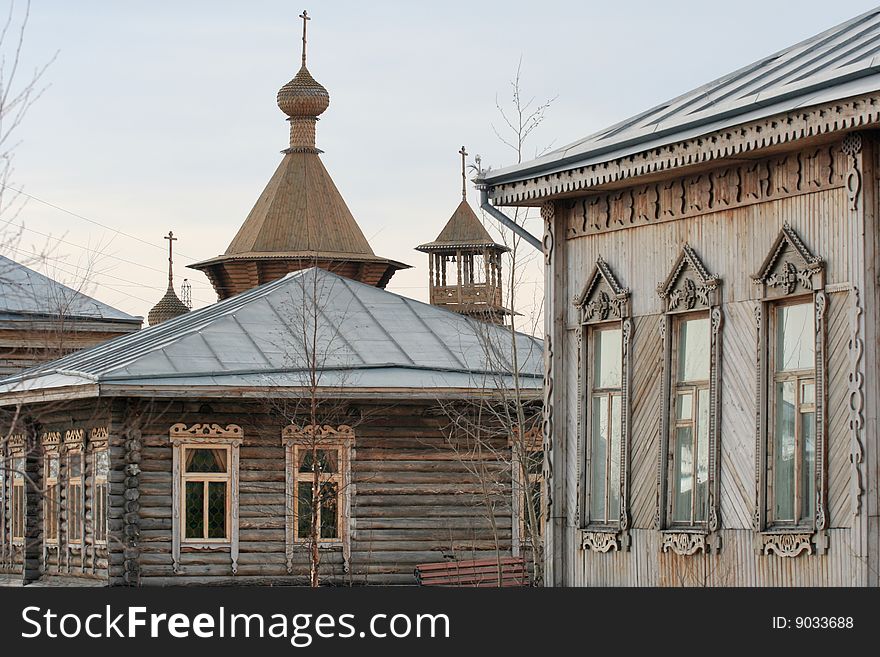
161,115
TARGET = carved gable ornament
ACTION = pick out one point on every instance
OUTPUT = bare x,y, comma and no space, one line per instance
689,285
603,298
790,268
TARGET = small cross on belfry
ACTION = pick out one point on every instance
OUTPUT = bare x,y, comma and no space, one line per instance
463,154
305,18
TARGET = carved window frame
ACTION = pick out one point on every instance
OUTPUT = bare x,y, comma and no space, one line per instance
689,291
17,465
790,272
205,435
326,437
602,303
51,442
100,503
74,503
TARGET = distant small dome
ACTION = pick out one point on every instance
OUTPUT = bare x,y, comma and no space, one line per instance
169,307
303,96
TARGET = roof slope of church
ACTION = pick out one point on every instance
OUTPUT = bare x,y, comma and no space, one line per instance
838,63
367,338
28,294
463,229
300,212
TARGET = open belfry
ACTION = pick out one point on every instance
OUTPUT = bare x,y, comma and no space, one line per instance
464,264
300,219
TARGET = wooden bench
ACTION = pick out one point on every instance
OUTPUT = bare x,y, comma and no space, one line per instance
481,572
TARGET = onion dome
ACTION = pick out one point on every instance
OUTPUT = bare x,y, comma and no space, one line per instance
303,96
169,307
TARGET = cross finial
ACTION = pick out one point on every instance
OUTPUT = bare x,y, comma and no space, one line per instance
305,18
463,154
171,239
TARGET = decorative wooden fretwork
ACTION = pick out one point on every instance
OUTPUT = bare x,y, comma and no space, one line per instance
74,439
713,147
51,440
98,437
786,544
324,436
684,543
856,382
599,541
204,435
604,300
548,214
690,288
790,270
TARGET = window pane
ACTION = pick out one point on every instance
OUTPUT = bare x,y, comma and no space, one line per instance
607,358
53,467
598,442
75,467
702,491
102,463
683,475
216,509
614,446
693,350
327,460
205,460
783,452
194,508
684,406
795,338
74,512
304,510
18,469
52,513
535,462
532,495
329,510
808,470
101,512
808,393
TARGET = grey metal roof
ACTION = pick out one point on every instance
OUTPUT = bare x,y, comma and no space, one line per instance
27,294
841,62
366,337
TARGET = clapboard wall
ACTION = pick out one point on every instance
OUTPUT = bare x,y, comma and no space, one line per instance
831,215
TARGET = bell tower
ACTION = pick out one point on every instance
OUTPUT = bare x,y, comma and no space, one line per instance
464,264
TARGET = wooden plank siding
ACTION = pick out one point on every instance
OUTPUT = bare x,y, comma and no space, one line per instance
733,244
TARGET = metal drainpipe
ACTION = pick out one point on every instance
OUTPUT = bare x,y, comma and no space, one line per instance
507,221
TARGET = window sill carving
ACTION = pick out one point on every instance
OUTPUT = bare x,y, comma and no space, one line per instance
600,540
788,544
686,543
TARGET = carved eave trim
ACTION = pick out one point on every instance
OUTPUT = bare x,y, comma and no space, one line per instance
802,123
293,434
600,541
691,295
788,544
607,307
684,543
206,433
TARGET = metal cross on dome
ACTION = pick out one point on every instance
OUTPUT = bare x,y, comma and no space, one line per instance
463,154
171,239
305,18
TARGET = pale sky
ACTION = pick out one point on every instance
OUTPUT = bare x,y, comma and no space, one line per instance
161,115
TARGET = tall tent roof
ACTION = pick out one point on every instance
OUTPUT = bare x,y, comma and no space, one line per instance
841,62
25,293
367,338
463,229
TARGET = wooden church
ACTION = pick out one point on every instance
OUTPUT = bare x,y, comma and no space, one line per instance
712,329
306,414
